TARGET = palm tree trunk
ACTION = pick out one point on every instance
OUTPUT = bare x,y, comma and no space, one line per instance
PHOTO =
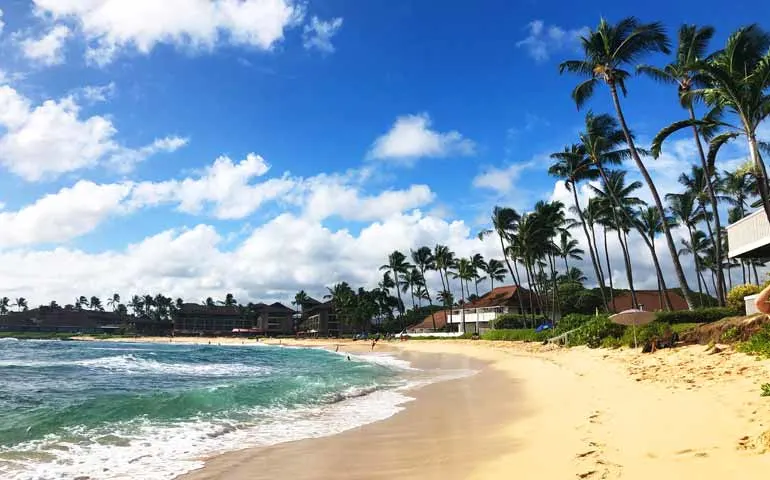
531,287
566,265
662,289
716,239
594,258
756,277
705,286
730,273
743,270
656,197
515,278
629,271
759,172
609,270
598,255
516,268
697,266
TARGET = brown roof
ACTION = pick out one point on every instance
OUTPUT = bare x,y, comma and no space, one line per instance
649,299
427,324
500,296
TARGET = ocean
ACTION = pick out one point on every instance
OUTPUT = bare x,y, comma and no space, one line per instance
99,410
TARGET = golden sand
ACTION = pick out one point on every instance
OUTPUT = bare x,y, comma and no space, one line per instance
545,413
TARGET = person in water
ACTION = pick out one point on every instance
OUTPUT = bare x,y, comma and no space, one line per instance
348,358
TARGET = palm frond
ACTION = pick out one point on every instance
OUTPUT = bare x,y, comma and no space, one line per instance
657,74
583,92
657,142
714,145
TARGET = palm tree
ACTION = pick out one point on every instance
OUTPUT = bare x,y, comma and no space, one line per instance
495,272
607,50
96,304
685,73
465,273
4,304
572,275
682,207
21,304
505,223
114,301
618,198
651,224
136,304
229,301
479,265
696,247
737,189
445,260
573,166
424,259
300,300
210,302
81,302
398,266
411,281
568,247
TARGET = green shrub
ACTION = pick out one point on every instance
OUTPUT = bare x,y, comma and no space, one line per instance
612,342
593,332
573,321
515,321
765,390
730,335
699,315
515,335
646,333
758,344
574,298
736,294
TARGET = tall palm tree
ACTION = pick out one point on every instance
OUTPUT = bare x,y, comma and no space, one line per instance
81,302
229,301
136,304
479,265
682,207
651,224
412,280
573,166
618,196
572,275
495,272
4,304
398,266
697,247
737,189
425,261
568,247
96,304
685,72
607,50
445,260
505,224
465,272
114,301
21,304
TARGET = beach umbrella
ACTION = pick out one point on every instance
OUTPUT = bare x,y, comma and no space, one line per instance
632,318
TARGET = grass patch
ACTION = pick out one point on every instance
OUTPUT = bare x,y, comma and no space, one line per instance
680,328
765,390
758,344
516,335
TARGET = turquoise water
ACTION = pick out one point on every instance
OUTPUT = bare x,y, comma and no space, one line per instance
119,410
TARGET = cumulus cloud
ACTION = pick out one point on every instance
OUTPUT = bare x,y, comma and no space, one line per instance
2,23
502,180
48,49
411,138
112,26
96,93
44,141
318,34
544,40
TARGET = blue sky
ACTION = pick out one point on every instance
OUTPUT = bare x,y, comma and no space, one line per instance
384,125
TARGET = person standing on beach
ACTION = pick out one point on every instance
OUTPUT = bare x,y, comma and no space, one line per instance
374,342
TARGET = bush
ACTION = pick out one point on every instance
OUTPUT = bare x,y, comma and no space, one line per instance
646,333
515,335
758,344
594,332
573,320
735,296
574,298
516,321
699,315
765,390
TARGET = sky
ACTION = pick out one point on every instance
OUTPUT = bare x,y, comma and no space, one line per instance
260,147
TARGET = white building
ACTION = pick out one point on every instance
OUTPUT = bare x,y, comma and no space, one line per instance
479,314
749,237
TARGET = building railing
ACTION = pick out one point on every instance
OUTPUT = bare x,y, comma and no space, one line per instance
749,233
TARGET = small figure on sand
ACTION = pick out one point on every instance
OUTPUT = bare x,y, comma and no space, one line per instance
374,342
348,358
336,348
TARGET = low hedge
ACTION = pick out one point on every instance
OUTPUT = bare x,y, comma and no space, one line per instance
595,332
736,294
516,335
509,321
699,315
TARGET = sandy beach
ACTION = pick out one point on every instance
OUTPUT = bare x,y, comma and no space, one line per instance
537,412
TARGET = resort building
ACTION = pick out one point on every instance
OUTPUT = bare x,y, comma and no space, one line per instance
647,300
319,319
65,320
749,237
259,319
479,313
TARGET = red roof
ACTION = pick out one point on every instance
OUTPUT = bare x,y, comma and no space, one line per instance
500,296
648,299
427,324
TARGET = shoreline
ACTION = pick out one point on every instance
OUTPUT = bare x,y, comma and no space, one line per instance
544,413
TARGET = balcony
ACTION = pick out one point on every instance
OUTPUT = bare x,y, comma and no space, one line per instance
749,237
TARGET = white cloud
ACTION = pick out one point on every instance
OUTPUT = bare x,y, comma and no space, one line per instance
96,93
544,40
111,26
411,138
47,140
2,23
318,34
502,180
47,49
62,216
125,159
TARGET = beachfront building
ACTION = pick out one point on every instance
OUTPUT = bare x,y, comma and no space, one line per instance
257,319
64,320
648,300
479,313
320,319
747,238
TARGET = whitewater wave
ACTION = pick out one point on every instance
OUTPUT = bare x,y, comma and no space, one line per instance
177,448
9,339
382,359
129,363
